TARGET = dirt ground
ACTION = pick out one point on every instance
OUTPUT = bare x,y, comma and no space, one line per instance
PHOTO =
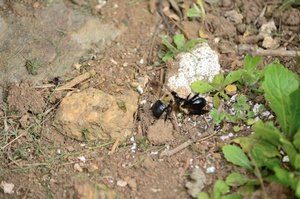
43,163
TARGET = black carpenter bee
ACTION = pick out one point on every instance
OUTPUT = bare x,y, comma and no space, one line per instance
170,101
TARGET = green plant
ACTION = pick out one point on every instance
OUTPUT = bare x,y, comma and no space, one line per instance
32,65
181,45
287,3
249,76
261,151
197,10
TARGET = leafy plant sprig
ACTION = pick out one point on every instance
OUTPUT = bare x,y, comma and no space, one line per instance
181,45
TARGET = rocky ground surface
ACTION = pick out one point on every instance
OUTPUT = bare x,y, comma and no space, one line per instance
78,78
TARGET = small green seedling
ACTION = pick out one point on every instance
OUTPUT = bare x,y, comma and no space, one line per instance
197,10
181,45
32,65
261,153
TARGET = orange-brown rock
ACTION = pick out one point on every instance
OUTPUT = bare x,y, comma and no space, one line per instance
92,114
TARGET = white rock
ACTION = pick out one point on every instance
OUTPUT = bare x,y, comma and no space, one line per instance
256,108
113,61
211,169
7,187
266,113
77,167
58,151
266,31
121,183
82,159
201,63
270,43
285,159
140,90
225,137
267,28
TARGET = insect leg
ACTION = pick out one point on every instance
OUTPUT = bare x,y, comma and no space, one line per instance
168,111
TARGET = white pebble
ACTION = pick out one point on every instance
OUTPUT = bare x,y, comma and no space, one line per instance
7,187
143,102
113,61
285,159
139,89
82,159
121,183
211,169
58,151
77,167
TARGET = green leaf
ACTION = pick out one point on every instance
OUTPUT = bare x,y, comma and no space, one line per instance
297,161
232,196
289,149
201,87
220,188
236,179
179,40
236,156
217,117
192,43
218,80
232,77
265,154
236,128
203,195
278,84
167,56
295,112
296,141
216,100
285,177
297,193
194,11
267,132
247,189
251,63
245,142
170,47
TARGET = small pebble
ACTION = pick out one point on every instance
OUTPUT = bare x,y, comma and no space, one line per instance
77,167
211,169
82,159
285,159
113,61
140,90
122,183
7,187
143,102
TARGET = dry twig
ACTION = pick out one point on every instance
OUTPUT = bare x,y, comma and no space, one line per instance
185,145
277,53
69,85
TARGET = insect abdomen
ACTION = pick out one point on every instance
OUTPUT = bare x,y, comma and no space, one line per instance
158,108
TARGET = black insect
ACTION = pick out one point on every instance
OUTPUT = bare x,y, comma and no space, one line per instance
171,101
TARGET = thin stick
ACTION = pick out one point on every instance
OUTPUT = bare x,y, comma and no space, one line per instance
261,52
21,135
149,58
185,145
45,86
76,80
114,147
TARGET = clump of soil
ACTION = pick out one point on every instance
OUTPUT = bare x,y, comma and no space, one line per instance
23,98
